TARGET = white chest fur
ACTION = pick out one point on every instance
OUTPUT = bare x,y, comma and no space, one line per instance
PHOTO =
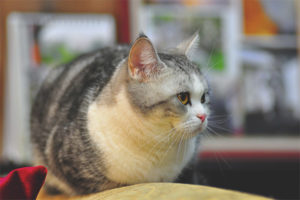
129,152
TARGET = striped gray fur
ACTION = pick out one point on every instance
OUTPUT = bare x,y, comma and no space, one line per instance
59,122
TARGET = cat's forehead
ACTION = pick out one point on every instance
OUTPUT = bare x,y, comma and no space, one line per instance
198,84
187,75
179,62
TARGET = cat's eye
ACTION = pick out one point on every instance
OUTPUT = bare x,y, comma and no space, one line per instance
184,98
203,98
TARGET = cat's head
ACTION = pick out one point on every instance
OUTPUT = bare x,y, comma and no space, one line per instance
167,88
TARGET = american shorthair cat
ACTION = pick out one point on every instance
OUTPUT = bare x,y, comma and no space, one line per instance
120,116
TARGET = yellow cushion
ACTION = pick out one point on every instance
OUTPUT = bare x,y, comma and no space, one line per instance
163,191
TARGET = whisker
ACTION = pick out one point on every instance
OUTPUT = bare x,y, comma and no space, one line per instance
218,118
218,155
181,130
162,139
180,138
212,131
179,148
220,127
185,148
166,152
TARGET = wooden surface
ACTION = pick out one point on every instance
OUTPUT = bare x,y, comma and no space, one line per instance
162,191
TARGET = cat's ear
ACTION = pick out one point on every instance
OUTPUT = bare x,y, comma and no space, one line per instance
143,60
188,46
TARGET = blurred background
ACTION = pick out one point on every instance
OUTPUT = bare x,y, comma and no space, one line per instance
248,50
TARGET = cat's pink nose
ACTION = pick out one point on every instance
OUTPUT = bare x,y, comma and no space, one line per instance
202,117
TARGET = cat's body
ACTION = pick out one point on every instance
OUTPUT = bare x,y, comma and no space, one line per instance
114,118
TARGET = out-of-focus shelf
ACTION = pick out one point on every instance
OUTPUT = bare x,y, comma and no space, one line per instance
279,42
250,147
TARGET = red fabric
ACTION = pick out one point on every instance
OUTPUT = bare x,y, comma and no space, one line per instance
23,183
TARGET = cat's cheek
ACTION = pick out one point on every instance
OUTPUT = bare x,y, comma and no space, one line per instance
172,113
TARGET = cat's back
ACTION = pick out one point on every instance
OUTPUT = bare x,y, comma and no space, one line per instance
67,89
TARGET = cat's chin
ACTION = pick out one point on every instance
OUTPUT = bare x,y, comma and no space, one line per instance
198,130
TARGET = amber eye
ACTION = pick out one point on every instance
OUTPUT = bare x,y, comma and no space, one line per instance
184,98
203,99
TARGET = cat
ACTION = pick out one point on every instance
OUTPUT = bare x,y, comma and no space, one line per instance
119,116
